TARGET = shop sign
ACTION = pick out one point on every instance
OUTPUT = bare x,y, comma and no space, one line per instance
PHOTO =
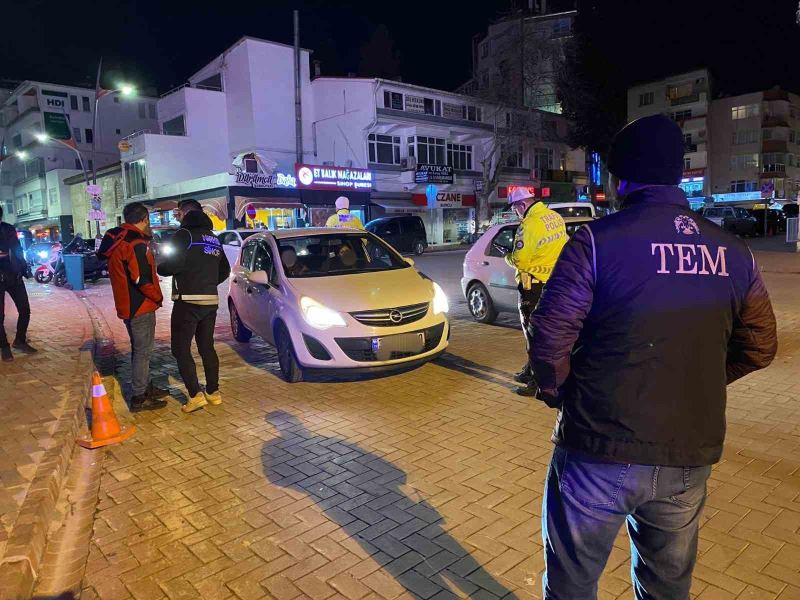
315,177
426,173
433,198
452,111
537,192
263,180
689,173
737,197
55,99
415,104
479,185
56,126
97,215
449,200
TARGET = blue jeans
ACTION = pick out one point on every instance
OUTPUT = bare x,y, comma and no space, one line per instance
142,331
586,501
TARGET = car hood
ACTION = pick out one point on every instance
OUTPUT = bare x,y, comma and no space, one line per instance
366,291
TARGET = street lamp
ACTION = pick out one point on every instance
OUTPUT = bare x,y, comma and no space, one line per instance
43,138
125,90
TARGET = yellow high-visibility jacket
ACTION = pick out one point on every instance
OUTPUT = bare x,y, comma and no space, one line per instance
537,245
343,218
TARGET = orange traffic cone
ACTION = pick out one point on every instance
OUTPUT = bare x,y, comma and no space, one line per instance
105,427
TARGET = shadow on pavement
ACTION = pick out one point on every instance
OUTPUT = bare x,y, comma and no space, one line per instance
473,369
361,492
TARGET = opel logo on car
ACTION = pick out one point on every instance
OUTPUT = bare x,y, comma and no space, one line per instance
395,316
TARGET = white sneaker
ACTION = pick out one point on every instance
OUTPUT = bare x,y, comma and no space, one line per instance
196,403
214,399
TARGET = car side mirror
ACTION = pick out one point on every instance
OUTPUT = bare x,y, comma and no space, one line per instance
235,243
410,262
259,278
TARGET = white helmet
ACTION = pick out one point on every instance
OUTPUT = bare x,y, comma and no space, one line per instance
518,194
342,203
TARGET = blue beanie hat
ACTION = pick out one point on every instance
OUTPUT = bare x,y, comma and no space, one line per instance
648,150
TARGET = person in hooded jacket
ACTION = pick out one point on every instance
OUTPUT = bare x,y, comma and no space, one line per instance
137,297
197,266
648,315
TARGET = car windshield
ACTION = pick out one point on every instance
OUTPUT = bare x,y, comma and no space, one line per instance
337,254
574,211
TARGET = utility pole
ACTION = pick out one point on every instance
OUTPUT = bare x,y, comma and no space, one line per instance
298,107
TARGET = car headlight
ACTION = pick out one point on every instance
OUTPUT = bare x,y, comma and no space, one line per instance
166,249
440,303
320,316
43,254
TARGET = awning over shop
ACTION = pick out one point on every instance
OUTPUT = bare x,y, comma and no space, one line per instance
216,206
242,202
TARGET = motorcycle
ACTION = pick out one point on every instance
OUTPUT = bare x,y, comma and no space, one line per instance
48,264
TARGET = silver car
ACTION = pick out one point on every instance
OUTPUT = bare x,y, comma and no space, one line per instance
488,282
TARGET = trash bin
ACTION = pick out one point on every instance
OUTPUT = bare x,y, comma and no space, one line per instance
73,264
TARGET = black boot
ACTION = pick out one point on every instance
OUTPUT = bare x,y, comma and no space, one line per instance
155,393
525,375
144,402
24,347
5,354
530,390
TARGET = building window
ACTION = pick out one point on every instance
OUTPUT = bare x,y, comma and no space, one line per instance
681,115
89,136
471,113
174,126
459,156
136,178
16,141
91,165
430,150
118,131
745,136
393,100
86,104
78,164
73,102
646,99
792,136
514,158
687,163
774,162
116,99
561,27
485,49
151,110
687,139
384,149
542,160
142,110
679,91
76,134
744,112
741,185
744,161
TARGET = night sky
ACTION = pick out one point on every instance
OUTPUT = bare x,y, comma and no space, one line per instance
748,44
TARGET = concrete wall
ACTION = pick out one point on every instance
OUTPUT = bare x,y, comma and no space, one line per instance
343,112
722,148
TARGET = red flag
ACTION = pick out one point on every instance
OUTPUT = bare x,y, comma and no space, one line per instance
102,92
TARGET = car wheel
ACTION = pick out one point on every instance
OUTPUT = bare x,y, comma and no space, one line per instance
290,368
480,304
419,248
240,332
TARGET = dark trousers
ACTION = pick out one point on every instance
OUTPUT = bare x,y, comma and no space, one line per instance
527,302
586,501
142,331
15,287
193,321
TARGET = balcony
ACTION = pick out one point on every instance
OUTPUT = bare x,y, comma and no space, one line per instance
773,170
774,146
690,99
560,176
22,115
775,121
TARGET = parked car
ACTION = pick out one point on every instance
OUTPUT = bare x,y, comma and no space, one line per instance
731,218
776,221
161,240
232,240
573,209
334,299
404,233
488,283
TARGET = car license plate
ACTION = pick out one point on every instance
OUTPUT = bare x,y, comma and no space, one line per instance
406,343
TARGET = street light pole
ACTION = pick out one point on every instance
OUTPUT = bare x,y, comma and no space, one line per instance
94,120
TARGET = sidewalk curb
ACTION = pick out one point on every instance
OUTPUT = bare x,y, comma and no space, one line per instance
28,537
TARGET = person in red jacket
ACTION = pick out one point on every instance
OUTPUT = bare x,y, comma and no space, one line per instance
137,297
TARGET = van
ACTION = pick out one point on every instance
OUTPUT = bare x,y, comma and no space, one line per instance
405,233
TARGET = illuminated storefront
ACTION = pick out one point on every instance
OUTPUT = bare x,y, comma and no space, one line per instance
693,182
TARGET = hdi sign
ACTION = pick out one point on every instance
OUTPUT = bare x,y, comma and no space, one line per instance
55,99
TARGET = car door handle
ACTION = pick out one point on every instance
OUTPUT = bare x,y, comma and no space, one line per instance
485,263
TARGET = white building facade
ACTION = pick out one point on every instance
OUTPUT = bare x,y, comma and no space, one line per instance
32,187
229,139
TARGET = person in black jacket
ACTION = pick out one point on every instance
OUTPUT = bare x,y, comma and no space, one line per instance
197,266
649,314
13,268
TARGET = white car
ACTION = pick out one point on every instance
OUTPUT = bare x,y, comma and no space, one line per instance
573,209
232,240
332,299
488,283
